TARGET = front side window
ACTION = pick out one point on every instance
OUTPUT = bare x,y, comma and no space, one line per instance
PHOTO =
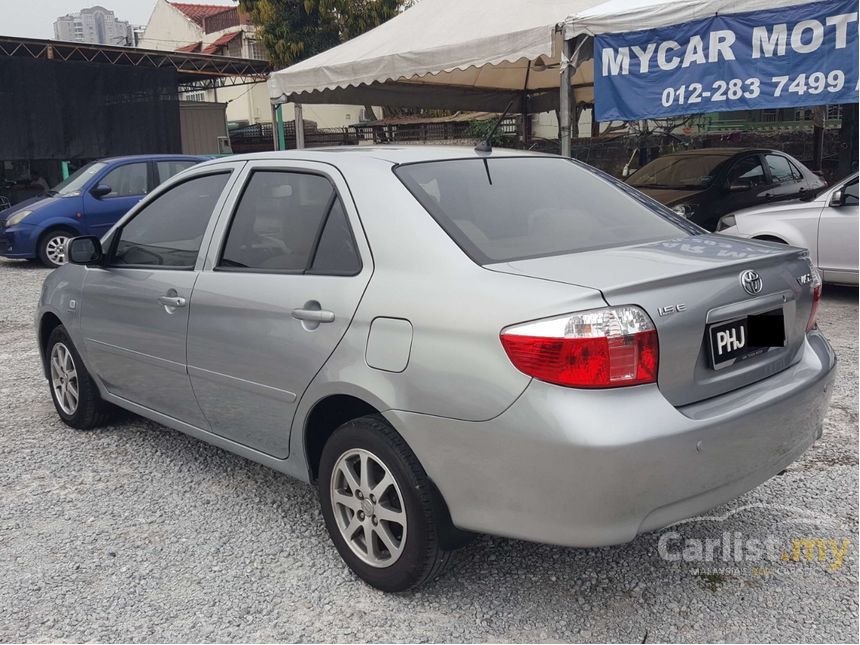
290,222
168,231
748,172
129,180
505,209
780,169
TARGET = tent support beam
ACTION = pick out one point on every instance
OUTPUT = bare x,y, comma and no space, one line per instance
281,139
300,127
564,132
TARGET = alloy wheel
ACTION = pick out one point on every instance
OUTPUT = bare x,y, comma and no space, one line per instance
368,507
64,378
55,248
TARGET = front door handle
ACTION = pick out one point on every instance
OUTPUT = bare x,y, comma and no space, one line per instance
172,301
313,315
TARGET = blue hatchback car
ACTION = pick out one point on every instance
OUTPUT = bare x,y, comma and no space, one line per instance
89,202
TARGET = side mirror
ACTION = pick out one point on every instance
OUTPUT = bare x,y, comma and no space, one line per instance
837,199
101,190
739,188
86,249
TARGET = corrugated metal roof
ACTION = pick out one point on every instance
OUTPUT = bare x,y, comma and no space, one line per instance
198,12
193,47
213,47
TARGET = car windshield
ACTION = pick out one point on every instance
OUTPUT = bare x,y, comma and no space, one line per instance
76,181
678,171
513,208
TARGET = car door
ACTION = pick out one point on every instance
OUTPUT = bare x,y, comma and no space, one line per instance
838,236
284,276
128,184
135,307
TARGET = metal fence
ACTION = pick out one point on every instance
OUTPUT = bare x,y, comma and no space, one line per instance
609,153
260,136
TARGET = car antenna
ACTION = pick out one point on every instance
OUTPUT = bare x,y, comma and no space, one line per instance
487,146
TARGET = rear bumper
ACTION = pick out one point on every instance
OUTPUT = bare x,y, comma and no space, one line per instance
592,468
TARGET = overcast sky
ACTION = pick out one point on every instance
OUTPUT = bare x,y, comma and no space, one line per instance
35,18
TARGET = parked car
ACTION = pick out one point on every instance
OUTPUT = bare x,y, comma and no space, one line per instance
446,341
826,223
89,202
703,185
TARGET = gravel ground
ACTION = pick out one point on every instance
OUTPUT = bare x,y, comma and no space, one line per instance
138,533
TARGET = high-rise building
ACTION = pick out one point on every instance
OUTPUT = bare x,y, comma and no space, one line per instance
94,25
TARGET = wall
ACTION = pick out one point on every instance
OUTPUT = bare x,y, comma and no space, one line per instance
201,124
169,29
545,125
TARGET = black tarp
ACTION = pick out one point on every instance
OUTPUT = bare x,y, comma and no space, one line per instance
73,110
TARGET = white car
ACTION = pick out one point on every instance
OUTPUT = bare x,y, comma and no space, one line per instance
825,223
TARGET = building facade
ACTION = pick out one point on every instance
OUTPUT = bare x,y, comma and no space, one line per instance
94,25
221,30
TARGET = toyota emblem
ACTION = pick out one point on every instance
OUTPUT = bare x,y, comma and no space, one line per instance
751,282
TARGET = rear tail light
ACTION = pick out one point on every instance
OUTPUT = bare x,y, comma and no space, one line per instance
816,294
609,347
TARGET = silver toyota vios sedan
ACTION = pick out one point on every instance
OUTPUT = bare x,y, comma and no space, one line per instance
446,341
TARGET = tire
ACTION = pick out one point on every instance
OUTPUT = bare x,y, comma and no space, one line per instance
52,247
411,497
67,376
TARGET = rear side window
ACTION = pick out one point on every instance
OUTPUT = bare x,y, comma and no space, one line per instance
166,169
504,209
290,222
336,253
168,231
780,169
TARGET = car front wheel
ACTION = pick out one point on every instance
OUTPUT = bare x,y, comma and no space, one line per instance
52,247
380,508
73,391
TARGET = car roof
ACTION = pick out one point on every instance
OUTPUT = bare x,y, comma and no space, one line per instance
718,152
389,153
152,157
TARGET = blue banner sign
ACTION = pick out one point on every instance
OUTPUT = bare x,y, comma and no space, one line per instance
794,56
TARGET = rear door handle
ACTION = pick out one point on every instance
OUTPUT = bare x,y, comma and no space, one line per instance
172,301
313,315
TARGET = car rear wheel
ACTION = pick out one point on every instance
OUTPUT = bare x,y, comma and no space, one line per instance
52,247
73,391
382,512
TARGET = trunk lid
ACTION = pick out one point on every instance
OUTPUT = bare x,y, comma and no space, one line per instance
686,285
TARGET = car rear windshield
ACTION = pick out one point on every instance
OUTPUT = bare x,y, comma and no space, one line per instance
690,172
514,208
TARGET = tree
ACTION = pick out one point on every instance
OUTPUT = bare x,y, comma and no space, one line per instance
292,30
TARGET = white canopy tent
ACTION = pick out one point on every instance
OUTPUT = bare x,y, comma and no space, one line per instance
485,54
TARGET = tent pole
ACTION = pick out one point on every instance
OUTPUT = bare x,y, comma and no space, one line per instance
564,98
278,130
300,127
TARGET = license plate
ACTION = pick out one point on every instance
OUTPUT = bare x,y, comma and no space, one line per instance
742,338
